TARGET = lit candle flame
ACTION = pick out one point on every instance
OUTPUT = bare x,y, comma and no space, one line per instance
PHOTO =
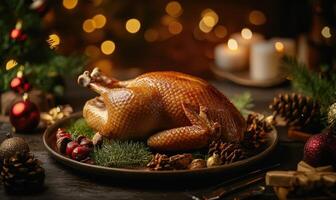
246,33
232,44
279,46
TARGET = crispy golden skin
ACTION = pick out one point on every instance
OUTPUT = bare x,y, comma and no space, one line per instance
174,111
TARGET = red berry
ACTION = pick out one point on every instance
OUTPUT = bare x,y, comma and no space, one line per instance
62,143
62,133
80,153
20,85
70,147
16,33
86,142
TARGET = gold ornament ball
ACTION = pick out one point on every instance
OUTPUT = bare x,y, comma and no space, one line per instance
197,164
214,160
12,145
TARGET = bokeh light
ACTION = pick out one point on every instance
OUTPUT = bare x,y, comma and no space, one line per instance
325,32
203,27
246,33
89,25
53,41
257,17
174,9
232,44
279,46
133,25
107,47
210,13
100,20
151,35
175,27
10,64
70,4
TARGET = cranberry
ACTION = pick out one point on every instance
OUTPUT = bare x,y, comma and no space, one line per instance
80,153
86,142
62,143
70,147
62,133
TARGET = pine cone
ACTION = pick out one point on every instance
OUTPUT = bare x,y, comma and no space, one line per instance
163,162
22,173
297,110
159,162
256,131
227,151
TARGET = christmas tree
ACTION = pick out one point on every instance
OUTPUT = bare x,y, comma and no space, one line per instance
26,45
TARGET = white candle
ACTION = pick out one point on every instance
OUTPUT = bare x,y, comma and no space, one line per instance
231,56
247,38
289,45
265,60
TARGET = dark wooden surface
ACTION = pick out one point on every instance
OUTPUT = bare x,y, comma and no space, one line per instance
64,183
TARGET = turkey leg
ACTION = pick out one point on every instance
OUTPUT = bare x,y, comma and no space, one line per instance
195,136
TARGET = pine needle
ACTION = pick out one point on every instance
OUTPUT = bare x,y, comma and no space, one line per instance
309,83
80,127
243,102
122,154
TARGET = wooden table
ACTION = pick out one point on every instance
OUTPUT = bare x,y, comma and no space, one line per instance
64,183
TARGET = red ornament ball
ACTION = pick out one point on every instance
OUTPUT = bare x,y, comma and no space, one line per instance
16,34
20,85
24,116
320,150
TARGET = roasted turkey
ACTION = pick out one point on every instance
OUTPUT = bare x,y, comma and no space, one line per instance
173,111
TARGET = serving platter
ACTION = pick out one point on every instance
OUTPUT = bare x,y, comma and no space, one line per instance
49,140
244,78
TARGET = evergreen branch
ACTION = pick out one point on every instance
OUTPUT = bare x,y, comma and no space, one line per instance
243,102
322,90
80,127
122,154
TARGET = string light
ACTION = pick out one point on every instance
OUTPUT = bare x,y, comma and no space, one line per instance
151,35
107,47
232,44
325,32
133,25
100,20
211,13
89,25
220,31
257,17
203,27
10,64
70,4
208,21
174,9
279,46
246,33
53,41
175,28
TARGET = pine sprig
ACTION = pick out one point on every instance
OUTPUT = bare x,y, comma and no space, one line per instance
309,83
80,127
243,102
122,154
